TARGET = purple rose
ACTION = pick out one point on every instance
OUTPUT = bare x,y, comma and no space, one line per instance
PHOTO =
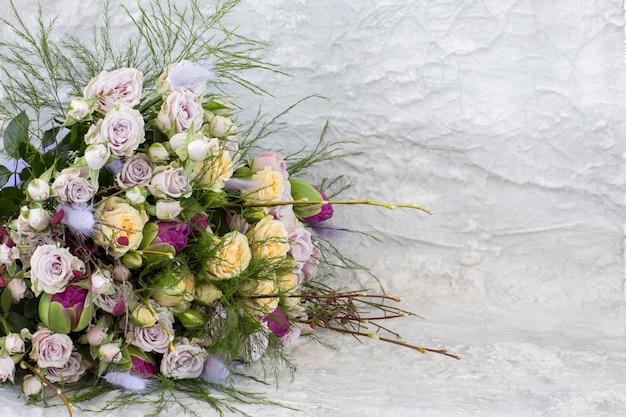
325,214
174,233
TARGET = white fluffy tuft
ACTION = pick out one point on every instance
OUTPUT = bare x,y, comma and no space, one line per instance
80,220
128,381
215,371
191,77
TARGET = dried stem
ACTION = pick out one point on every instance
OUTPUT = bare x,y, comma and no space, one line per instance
335,202
45,382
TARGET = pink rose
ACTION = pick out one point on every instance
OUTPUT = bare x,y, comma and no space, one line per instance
179,113
7,368
137,170
273,160
186,361
51,350
122,128
120,86
51,269
73,369
170,182
155,338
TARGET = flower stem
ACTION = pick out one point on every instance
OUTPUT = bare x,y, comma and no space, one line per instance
45,382
335,202
384,339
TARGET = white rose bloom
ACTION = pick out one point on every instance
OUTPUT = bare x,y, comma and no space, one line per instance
186,361
168,210
78,109
221,126
112,87
177,141
38,190
14,343
100,282
199,150
38,219
8,255
97,155
51,269
7,368
51,350
158,153
18,289
137,195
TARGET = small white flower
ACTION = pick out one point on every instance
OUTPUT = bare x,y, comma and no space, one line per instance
14,343
38,190
97,155
38,219
168,210
78,109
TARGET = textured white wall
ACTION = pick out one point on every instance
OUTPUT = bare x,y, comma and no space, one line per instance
506,118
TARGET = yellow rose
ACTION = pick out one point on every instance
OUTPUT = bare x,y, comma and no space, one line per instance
287,283
207,293
267,300
121,226
271,186
268,239
174,289
211,173
232,258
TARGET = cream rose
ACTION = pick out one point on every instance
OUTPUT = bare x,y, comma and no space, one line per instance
121,226
97,155
268,239
179,113
51,269
51,350
270,188
120,86
38,189
211,174
232,258
267,292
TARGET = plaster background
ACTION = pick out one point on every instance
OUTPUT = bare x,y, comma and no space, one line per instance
506,118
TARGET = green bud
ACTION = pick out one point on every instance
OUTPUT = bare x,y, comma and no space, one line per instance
132,260
190,319
302,190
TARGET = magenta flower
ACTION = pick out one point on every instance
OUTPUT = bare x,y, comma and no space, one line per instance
174,233
198,224
325,214
278,323
65,312
142,367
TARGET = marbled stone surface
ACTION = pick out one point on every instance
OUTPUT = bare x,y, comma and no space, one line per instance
506,118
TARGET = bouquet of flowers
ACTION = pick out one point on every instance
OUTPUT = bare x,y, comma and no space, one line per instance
145,240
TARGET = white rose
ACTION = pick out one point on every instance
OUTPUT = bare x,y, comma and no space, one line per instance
186,361
170,182
179,113
38,190
199,150
51,350
96,335
18,289
7,368
158,153
38,219
97,155
31,386
221,126
120,86
110,353
100,282
177,141
9,255
168,210
14,343
137,195
78,109
51,269
123,129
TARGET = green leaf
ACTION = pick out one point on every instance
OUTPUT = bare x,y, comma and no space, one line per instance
19,322
6,300
15,134
5,175
49,137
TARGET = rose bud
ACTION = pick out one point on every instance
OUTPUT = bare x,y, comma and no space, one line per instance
174,288
96,335
302,190
65,312
143,317
14,343
207,293
190,319
38,189
110,353
31,386
220,126
132,260
142,363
